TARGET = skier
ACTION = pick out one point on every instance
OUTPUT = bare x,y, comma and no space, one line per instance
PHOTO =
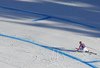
82,47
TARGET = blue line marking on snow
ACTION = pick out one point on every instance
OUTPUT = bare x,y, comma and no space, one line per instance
47,16
42,19
21,10
93,61
57,51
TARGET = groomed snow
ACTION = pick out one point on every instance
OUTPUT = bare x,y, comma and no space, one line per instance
34,35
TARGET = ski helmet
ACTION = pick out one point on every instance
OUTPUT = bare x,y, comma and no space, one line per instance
80,42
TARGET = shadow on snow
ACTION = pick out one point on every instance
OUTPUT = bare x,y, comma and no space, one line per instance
51,11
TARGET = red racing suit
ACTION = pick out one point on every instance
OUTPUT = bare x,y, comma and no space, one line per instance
81,47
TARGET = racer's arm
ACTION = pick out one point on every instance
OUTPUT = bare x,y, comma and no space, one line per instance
79,48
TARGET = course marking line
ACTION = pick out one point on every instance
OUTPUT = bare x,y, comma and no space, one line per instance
14,9
57,51
42,18
93,61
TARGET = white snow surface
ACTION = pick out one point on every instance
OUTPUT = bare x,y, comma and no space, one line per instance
30,39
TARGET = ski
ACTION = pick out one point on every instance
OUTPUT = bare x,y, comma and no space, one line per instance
92,53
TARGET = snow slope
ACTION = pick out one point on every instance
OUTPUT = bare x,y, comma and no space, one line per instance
45,33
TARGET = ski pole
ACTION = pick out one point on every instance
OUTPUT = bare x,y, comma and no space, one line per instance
92,48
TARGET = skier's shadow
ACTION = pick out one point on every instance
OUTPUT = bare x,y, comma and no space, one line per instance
67,50
63,49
